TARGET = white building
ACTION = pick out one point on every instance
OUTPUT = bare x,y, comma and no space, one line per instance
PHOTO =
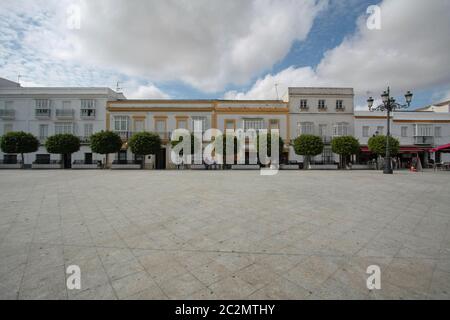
52,110
418,131
326,112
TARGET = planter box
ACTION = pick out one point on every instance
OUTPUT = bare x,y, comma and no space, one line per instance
245,167
85,166
289,167
10,166
198,167
126,166
46,166
324,167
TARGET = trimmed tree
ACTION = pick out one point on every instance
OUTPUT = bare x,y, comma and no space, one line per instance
105,142
269,145
308,145
145,143
344,146
64,144
377,145
19,142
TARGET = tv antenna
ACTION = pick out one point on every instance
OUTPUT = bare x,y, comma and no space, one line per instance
18,78
276,89
118,88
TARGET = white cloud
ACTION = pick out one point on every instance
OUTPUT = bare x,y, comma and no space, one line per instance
145,92
207,44
411,51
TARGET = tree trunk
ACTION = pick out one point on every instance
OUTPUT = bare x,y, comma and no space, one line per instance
23,160
105,165
143,162
306,163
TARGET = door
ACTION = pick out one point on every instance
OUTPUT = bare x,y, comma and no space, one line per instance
122,157
160,161
88,158
67,161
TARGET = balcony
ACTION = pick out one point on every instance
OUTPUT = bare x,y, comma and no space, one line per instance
421,140
43,113
340,109
322,108
84,140
7,114
87,114
125,135
326,139
65,113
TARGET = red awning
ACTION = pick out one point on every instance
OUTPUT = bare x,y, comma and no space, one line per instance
445,146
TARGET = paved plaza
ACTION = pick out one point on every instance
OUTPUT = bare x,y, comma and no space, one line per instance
224,234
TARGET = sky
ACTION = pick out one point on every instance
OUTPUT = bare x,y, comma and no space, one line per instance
234,49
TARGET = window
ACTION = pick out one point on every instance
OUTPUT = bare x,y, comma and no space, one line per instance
423,130
87,103
255,124
340,129
7,127
160,127
380,130
437,132
199,124
42,104
182,124
303,104
139,125
339,105
88,129
230,124
63,127
404,131
42,159
322,130
365,131
43,131
121,123
274,124
305,128
321,104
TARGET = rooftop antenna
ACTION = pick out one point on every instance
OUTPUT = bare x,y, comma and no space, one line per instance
276,90
18,78
118,88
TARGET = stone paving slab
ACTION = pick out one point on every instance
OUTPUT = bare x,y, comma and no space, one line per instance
224,234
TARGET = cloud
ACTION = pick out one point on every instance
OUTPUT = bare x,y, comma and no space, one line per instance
145,92
410,52
204,43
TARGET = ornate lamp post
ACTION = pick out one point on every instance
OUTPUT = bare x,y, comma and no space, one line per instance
389,105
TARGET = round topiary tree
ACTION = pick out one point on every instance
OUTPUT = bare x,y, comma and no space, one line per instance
105,142
377,145
145,143
64,144
344,146
269,145
308,145
19,142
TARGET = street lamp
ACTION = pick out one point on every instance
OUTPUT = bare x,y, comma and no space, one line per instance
389,105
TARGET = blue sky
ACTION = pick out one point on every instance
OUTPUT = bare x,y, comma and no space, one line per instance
160,50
